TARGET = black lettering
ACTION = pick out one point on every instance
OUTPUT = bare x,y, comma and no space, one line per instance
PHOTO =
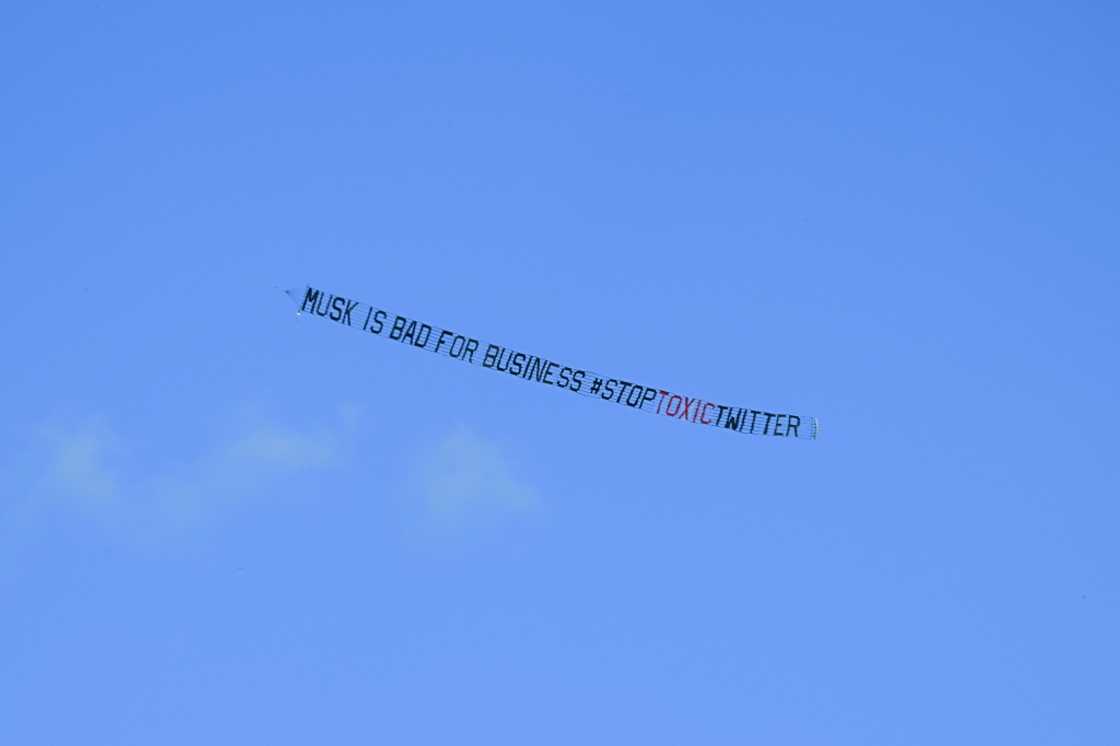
460,341
608,389
378,322
734,421
439,342
564,378
337,304
311,297
622,391
635,396
424,335
398,327
769,416
649,395
471,348
577,380
794,423
548,372
754,414
509,358
778,424
489,358
409,333
350,306
518,362
722,409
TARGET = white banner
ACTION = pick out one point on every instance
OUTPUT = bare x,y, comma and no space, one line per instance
651,399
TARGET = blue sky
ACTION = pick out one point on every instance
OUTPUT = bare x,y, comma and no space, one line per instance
223,523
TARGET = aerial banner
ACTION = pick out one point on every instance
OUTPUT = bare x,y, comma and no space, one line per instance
462,347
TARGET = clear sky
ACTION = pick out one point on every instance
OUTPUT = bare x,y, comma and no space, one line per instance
221,523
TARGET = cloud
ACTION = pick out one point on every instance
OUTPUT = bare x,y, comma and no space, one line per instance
282,448
94,470
81,462
465,473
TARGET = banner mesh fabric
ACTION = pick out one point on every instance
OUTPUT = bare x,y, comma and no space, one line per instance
527,367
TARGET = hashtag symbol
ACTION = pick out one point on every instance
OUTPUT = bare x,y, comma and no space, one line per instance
596,385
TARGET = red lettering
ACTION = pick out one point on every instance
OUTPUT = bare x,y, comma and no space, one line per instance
704,412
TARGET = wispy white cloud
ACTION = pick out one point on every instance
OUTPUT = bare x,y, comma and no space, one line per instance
93,469
133,489
81,462
466,473
283,448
